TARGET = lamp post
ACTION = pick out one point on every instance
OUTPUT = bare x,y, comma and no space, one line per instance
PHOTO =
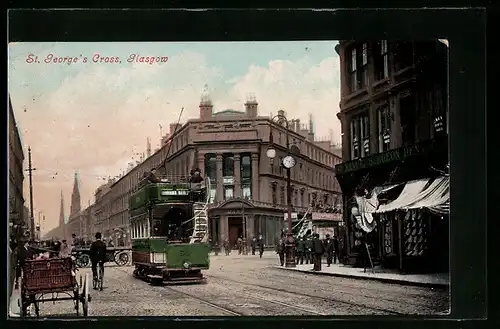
288,162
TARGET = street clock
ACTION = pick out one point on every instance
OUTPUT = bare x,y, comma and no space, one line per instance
289,162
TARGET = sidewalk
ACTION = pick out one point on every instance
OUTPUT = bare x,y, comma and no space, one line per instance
434,280
15,301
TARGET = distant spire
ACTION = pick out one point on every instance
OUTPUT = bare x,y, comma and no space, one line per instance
75,196
205,96
148,147
61,213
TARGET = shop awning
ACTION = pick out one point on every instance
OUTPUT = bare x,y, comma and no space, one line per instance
420,194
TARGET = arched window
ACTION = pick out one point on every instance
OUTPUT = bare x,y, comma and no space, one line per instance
211,166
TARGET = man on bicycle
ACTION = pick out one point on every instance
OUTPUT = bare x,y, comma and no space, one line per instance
97,254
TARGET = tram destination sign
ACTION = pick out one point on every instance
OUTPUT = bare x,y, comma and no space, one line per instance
174,192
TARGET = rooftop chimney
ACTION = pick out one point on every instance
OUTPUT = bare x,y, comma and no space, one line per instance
251,106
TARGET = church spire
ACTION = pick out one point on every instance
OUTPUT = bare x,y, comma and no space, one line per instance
75,197
61,213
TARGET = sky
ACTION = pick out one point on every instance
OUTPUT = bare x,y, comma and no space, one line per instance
92,117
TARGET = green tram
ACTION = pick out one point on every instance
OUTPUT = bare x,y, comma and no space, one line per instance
169,231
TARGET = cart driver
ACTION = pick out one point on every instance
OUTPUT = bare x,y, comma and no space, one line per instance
97,254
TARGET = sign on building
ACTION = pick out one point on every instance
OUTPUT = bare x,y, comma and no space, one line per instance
324,216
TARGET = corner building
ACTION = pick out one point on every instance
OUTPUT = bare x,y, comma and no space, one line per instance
394,117
247,189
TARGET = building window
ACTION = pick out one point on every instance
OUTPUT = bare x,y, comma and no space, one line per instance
213,191
439,113
408,108
274,194
384,128
228,165
228,192
360,136
282,195
246,192
211,167
358,64
381,59
246,169
403,55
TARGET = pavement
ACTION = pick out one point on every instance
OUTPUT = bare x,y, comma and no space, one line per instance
251,286
432,280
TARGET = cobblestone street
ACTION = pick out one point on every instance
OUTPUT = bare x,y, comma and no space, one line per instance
246,285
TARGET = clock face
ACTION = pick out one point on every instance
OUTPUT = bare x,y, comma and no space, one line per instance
289,162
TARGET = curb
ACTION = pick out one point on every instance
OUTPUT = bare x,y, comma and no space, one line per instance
386,280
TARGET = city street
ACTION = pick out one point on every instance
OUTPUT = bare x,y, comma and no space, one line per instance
246,285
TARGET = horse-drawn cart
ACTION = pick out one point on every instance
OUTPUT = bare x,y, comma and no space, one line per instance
44,280
119,255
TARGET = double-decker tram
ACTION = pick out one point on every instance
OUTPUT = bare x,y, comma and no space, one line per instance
169,230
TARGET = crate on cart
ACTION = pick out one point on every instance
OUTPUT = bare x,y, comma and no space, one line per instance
46,274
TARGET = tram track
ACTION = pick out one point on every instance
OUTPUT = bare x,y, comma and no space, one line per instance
326,299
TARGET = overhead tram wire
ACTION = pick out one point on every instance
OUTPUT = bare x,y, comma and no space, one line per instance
167,154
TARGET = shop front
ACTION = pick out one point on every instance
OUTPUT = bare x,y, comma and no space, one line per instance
399,235
240,217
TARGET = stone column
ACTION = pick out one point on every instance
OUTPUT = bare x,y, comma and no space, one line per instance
237,176
223,228
200,163
219,196
255,176
250,227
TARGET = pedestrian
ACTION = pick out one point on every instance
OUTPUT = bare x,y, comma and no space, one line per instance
239,244
300,249
280,250
318,251
227,247
336,251
308,249
329,249
260,242
24,253
254,245
65,250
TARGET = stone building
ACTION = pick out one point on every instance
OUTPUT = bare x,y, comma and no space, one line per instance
394,118
247,188
16,176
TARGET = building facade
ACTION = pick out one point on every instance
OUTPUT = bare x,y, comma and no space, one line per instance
394,118
247,189
16,176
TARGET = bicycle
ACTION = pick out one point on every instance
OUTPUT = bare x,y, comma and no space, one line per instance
97,281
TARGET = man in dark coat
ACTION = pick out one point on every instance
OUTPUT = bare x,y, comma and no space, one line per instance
329,249
300,249
239,244
260,243
254,245
336,250
196,177
280,250
318,251
308,249
24,253
226,246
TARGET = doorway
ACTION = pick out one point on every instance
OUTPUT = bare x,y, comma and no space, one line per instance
235,229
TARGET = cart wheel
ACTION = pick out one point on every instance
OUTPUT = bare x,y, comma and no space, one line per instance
24,305
85,298
121,259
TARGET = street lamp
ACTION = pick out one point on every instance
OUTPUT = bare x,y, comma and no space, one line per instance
288,162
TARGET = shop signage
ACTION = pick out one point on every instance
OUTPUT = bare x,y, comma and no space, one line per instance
326,216
294,216
378,159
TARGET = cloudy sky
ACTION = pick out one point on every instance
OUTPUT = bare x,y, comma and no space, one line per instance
92,117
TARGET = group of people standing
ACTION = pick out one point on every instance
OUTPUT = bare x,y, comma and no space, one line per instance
257,243
311,249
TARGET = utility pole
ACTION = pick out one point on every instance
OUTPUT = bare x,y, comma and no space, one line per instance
30,172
